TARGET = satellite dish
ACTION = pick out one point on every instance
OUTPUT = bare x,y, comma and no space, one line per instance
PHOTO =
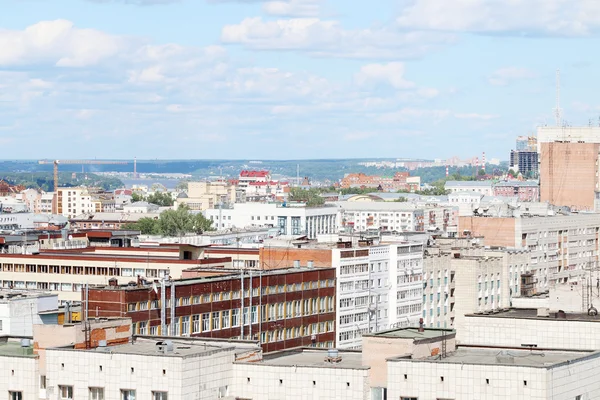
70,237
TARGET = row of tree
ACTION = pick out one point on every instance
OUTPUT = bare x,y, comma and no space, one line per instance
172,223
158,198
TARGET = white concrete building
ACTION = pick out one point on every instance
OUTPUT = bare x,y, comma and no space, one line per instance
483,187
19,375
145,369
46,203
303,374
291,220
569,134
540,328
377,287
385,216
72,201
20,310
16,221
472,373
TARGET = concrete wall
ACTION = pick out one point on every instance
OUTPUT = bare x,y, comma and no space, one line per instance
549,333
568,174
259,381
19,374
495,231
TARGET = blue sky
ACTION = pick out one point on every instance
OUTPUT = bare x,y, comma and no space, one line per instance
290,79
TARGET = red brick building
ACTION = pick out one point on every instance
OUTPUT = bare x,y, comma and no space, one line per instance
524,190
284,309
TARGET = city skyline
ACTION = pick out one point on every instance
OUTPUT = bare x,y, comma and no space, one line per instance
292,79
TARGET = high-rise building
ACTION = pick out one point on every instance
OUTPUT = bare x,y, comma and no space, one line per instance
569,174
525,162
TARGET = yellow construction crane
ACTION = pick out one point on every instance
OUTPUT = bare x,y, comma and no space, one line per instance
77,162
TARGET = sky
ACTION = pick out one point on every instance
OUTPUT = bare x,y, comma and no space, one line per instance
291,79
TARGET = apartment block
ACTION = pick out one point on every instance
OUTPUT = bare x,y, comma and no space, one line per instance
281,309
292,220
562,247
483,187
201,196
378,287
384,216
73,201
522,190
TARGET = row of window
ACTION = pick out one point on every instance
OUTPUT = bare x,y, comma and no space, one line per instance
79,270
94,393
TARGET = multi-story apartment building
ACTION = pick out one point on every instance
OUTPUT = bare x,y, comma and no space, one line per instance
282,309
246,177
290,220
562,248
569,175
46,203
522,190
464,279
384,216
201,196
73,201
377,287
400,181
65,272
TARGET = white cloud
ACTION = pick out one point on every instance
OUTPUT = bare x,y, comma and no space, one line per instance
476,116
293,8
504,76
58,42
391,73
533,17
325,38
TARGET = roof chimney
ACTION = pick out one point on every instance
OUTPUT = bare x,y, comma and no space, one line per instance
421,328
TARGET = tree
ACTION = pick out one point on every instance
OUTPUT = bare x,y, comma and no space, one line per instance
201,224
512,173
481,172
160,199
311,197
147,226
135,196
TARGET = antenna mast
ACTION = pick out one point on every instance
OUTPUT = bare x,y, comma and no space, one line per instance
557,110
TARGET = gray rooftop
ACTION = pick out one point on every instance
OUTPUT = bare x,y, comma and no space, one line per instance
413,333
14,349
150,347
518,183
541,358
525,313
311,357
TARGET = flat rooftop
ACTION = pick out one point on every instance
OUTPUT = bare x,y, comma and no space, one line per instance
14,349
311,357
526,313
412,333
8,295
537,358
151,347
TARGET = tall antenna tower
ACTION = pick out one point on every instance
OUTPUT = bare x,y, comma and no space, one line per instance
557,110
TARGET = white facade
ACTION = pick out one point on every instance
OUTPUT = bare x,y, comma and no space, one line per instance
378,287
296,221
46,203
140,207
385,216
19,312
519,327
74,201
483,187
19,373
497,373
191,371
303,375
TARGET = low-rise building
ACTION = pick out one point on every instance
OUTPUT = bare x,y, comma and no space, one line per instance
282,309
201,196
290,220
20,310
19,375
483,187
107,220
303,374
142,207
381,216
523,190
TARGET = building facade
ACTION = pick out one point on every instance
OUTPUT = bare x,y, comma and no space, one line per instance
73,201
381,216
297,221
282,309
523,190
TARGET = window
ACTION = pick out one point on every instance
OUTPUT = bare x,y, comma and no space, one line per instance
215,321
42,381
185,326
205,322
160,396
225,321
15,395
127,394
235,317
65,392
195,323
96,393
